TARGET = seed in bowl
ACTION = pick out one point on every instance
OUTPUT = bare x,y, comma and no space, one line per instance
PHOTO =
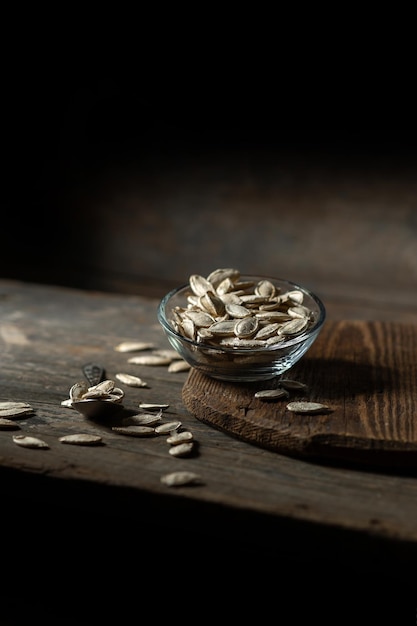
225,310
239,327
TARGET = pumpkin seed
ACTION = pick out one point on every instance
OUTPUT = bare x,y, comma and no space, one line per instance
237,310
308,407
182,449
265,288
167,427
78,390
133,346
179,366
298,310
131,381
142,419
272,394
178,479
295,326
199,318
217,276
153,405
81,439
246,327
177,438
214,305
292,385
10,409
135,430
149,359
26,441
200,285
223,328
267,331
7,424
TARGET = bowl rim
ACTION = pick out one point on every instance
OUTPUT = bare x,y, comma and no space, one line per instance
300,338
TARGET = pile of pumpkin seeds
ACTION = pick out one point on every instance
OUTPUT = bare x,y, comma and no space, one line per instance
228,310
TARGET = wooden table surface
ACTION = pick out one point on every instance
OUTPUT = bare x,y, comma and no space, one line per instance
128,226
113,193
251,501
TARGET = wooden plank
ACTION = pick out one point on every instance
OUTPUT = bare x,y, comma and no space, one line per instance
365,372
324,511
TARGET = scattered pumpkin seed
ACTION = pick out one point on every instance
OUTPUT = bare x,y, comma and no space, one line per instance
27,441
131,381
143,419
179,366
81,439
272,394
178,479
10,409
133,346
150,359
153,405
308,407
135,430
182,449
7,424
167,427
177,438
292,385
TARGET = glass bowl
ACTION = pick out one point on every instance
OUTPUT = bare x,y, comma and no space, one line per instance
257,333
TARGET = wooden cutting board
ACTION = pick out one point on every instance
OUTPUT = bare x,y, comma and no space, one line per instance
365,372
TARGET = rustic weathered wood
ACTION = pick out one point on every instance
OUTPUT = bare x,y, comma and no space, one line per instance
365,372
251,500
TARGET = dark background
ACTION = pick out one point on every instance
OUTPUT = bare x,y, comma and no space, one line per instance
70,136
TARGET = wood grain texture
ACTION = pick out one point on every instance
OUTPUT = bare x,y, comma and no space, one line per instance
365,372
341,514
